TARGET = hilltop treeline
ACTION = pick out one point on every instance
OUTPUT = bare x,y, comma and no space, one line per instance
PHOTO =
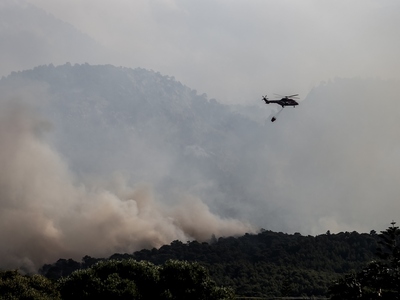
118,279
263,264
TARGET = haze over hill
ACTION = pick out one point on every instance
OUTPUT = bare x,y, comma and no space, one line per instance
30,37
99,149
129,158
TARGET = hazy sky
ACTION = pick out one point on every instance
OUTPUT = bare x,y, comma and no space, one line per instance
236,50
338,170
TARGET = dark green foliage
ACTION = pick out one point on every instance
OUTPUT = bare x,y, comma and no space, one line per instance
265,264
130,279
184,280
274,264
118,279
380,278
95,283
13,285
62,267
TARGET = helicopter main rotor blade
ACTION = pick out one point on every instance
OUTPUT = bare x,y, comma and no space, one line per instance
294,95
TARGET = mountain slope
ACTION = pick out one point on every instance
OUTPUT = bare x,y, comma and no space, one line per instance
126,158
130,113
111,148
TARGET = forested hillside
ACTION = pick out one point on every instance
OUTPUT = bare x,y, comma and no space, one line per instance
130,151
263,264
150,127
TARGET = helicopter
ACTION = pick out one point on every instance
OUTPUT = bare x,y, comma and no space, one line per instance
285,101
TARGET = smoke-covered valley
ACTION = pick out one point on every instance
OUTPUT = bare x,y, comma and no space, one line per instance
103,159
98,159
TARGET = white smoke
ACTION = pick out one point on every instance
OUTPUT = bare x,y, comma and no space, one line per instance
45,214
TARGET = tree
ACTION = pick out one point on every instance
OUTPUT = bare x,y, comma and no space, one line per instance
185,280
130,279
347,287
13,285
381,278
126,279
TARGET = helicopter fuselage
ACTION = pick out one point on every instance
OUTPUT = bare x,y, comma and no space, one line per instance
283,102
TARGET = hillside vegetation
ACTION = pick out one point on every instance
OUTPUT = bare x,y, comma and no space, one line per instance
264,264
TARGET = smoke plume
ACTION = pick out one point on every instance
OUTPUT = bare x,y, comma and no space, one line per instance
45,214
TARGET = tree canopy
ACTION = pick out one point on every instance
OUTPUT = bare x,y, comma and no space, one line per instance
118,279
267,264
380,278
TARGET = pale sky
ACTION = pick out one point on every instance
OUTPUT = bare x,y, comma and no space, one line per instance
236,50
